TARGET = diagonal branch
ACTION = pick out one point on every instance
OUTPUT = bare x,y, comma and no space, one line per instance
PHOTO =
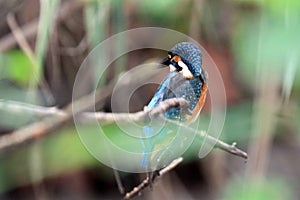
146,183
30,29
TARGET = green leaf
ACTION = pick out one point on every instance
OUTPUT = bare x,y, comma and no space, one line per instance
17,67
161,11
265,43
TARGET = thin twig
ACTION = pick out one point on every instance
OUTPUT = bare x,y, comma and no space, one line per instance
219,144
119,181
23,43
9,41
30,29
146,182
74,51
21,40
216,143
232,149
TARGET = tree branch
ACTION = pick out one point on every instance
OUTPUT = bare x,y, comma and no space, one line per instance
54,118
52,123
19,108
61,117
146,183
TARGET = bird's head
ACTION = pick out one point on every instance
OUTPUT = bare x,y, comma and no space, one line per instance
186,59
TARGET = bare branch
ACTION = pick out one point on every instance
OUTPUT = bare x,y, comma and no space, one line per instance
218,143
21,40
105,118
60,118
52,123
19,108
146,183
232,149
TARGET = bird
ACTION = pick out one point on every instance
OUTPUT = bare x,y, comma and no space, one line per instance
187,79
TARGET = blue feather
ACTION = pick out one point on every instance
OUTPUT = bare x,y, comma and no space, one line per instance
174,85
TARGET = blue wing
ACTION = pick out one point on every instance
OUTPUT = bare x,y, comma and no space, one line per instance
173,86
176,86
162,91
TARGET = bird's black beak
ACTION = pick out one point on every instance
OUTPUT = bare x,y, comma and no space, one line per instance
166,62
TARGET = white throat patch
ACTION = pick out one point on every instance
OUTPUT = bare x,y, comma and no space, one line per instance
185,70
172,68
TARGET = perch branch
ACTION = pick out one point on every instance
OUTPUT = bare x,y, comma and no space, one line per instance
146,183
62,116
232,149
52,123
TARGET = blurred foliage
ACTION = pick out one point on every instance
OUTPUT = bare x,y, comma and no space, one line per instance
48,11
155,10
297,119
119,24
96,21
237,127
267,38
277,6
166,13
17,67
60,153
96,29
265,35
275,189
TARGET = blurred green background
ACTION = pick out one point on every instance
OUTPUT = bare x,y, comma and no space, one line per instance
255,45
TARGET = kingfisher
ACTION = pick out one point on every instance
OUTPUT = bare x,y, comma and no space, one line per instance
187,79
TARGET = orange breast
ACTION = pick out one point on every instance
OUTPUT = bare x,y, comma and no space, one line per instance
199,105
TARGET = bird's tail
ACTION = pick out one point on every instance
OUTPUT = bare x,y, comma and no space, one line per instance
147,145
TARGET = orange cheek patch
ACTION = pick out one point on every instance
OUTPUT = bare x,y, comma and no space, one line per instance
176,58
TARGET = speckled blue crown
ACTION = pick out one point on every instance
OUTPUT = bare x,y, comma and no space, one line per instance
191,55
